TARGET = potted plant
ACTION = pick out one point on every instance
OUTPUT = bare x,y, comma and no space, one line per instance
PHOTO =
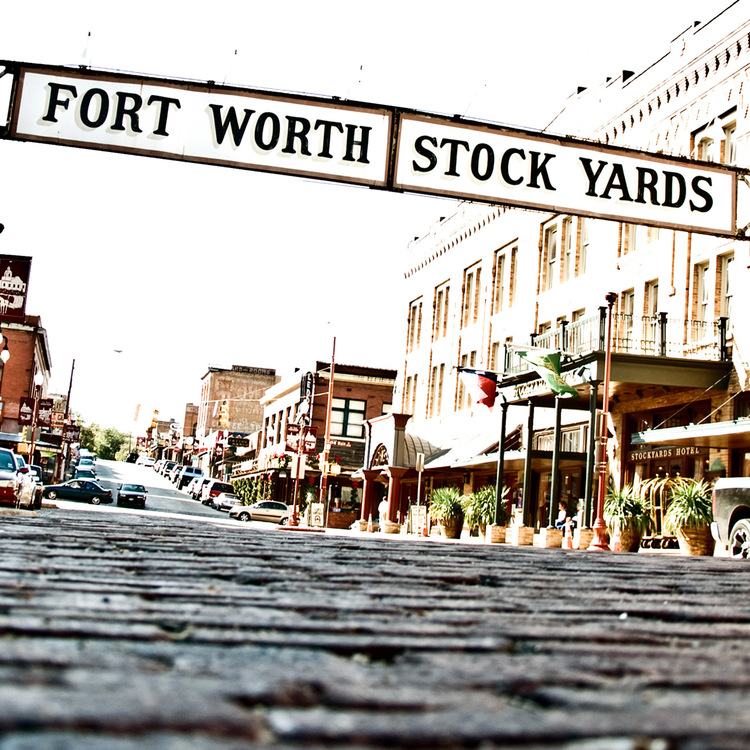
446,508
689,515
629,514
479,508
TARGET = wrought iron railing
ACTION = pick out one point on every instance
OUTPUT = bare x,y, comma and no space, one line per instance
653,336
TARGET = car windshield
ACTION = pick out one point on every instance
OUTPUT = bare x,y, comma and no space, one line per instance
6,462
133,488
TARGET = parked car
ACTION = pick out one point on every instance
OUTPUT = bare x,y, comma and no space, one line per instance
85,472
173,473
225,501
132,458
83,490
36,472
17,485
187,474
265,510
195,482
166,467
145,461
197,487
731,510
132,494
213,488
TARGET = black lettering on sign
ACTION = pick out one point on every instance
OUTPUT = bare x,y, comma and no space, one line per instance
420,148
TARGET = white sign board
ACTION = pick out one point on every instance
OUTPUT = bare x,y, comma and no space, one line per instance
536,171
200,124
369,145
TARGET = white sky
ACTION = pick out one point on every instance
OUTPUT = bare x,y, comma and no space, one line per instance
183,265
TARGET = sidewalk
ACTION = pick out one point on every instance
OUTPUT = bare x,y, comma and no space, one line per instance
124,631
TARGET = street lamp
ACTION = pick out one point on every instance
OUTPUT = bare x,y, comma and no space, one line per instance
4,357
601,537
38,382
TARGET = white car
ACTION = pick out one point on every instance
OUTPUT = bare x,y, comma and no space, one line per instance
145,461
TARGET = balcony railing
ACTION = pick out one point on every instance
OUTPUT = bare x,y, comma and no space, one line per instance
653,336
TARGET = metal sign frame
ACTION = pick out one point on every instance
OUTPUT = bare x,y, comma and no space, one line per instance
365,144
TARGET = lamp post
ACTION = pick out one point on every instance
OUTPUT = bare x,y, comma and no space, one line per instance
4,357
38,382
327,443
601,537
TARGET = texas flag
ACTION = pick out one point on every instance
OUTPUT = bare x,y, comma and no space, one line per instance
481,385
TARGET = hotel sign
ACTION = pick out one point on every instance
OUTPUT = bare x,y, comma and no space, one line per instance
368,145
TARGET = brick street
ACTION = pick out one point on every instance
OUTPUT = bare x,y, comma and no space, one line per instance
125,630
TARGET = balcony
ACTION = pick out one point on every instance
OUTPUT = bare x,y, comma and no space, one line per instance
649,336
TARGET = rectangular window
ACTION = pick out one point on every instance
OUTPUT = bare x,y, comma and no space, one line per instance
651,299
496,355
440,312
701,292
463,400
627,310
550,255
498,297
726,289
730,144
415,325
629,239
583,252
512,277
472,290
568,255
410,395
348,417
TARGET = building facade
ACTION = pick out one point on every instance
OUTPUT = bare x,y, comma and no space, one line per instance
488,282
359,394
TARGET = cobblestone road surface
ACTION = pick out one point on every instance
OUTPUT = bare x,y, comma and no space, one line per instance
130,631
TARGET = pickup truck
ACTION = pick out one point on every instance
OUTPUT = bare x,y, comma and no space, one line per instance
731,509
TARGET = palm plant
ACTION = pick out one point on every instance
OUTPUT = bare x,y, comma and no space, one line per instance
446,507
479,507
629,508
689,504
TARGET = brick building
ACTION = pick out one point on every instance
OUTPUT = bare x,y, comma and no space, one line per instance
487,282
360,394
235,393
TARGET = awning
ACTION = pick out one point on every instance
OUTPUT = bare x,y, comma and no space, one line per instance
730,434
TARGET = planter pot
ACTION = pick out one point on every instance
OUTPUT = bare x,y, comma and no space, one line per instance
452,527
630,539
342,519
695,540
497,534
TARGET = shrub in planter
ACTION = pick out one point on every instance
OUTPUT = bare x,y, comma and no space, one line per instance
479,508
689,516
630,513
446,507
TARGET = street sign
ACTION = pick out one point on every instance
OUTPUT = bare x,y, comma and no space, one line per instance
371,145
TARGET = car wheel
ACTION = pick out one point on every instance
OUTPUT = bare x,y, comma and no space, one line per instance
739,539
243,516
51,494
95,500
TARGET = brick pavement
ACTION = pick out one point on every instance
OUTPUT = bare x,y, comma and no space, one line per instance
124,631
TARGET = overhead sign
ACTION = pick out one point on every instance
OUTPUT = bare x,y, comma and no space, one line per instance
532,170
370,145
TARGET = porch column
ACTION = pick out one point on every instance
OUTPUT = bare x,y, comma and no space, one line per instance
500,463
526,507
590,455
368,492
554,488
395,475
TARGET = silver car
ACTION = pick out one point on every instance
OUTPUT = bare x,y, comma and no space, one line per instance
266,510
